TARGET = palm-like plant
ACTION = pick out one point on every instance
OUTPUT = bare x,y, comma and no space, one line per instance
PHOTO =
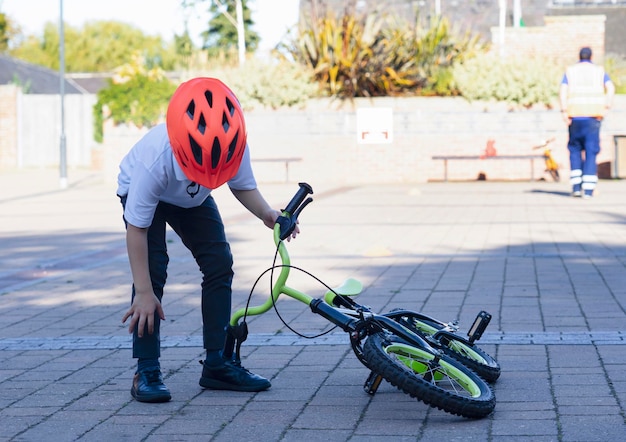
381,55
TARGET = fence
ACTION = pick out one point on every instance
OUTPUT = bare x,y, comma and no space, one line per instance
30,129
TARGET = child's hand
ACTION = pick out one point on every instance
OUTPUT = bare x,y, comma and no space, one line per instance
270,219
142,312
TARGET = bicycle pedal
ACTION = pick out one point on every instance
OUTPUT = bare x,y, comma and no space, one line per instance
372,383
478,327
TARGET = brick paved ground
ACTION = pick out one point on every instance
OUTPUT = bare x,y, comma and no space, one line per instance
550,268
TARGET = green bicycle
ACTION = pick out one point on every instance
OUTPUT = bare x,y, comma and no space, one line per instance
392,348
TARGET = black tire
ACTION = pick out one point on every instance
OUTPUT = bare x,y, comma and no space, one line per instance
456,347
555,175
445,384
472,357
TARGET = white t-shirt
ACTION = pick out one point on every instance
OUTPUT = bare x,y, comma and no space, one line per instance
149,173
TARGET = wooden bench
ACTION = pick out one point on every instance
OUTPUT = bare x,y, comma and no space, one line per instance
285,160
447,158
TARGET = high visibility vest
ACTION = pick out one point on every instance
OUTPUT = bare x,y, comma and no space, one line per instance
585,90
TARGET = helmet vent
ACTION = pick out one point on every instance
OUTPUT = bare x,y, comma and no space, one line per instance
196,150
216,153
230,106
202,124
225,123
209,97
232,146
191,109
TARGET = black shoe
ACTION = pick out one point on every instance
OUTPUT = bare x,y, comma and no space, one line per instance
148,386
231,376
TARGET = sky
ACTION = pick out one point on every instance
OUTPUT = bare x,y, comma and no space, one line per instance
164,17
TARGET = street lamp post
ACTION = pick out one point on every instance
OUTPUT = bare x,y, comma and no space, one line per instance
502,25
63,147
517,13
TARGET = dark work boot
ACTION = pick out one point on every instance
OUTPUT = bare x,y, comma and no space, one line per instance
148,386
230,375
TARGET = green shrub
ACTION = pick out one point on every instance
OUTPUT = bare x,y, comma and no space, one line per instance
616,68
266,84
135,96
519,82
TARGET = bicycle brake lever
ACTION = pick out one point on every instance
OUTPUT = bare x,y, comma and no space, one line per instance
302,206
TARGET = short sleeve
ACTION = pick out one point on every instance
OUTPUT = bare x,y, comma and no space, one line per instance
143,196
244,179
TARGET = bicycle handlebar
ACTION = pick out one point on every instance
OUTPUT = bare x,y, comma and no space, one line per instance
287,221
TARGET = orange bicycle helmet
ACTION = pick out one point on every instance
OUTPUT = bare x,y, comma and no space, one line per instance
207,131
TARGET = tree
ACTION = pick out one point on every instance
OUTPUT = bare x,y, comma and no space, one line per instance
136,94
99,46
221,35
4,32
8,31
183,46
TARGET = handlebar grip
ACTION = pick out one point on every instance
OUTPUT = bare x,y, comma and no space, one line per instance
287,221
295,202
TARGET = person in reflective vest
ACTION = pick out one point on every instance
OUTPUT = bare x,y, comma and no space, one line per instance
586,94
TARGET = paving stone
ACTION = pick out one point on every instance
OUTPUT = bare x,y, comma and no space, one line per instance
549,268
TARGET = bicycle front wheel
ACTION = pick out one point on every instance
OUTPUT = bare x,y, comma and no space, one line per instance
438,381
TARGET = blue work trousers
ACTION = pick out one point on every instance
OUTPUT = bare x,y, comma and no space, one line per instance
584,136
202,231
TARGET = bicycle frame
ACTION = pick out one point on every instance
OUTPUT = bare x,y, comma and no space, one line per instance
391,350
352,318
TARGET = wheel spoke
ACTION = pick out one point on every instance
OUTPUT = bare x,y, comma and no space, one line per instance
466,351
430,376
437,373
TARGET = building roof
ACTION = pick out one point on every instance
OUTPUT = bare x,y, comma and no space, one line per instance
90,82
33,78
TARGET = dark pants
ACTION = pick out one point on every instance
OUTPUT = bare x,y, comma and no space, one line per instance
584,135
202,231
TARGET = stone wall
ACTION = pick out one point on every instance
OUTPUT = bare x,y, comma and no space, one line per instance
615,14
324,136
559,40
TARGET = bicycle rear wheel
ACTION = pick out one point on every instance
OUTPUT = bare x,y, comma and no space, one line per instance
555,174
456,347
440,382
471,356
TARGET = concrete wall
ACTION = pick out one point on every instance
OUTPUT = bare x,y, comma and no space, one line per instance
325,137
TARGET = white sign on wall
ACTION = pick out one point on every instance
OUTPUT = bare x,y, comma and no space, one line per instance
374,125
